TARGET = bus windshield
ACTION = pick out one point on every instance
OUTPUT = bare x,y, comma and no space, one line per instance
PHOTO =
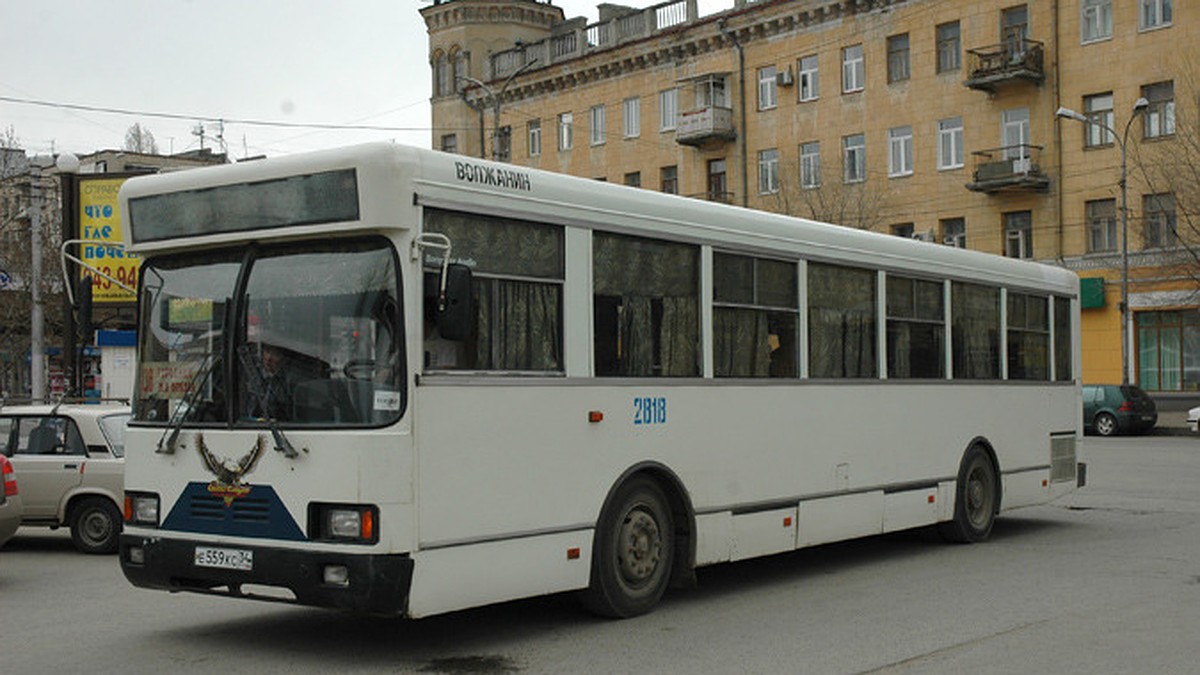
295,335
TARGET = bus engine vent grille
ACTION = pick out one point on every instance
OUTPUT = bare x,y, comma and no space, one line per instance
243,510
1062,458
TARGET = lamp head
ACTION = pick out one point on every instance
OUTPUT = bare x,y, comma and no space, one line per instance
1069,114
1140,105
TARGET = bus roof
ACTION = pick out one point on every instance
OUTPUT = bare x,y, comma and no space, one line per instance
435,179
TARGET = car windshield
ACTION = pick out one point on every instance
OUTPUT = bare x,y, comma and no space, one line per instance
298,335
113,428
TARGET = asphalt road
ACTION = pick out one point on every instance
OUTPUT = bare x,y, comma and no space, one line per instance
1104,581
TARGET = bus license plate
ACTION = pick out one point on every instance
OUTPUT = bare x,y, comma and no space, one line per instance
224,558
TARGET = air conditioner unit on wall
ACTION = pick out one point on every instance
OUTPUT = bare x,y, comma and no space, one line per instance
784,77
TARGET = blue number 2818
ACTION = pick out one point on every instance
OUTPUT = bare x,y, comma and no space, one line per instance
650,410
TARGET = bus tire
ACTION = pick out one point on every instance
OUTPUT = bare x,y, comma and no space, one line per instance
95,525
633,551
976,499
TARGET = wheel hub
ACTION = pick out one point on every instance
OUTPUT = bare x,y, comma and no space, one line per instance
640,546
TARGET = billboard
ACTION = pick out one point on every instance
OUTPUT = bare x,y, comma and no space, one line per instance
100,227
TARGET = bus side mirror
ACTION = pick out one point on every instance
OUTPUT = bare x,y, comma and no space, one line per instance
457,317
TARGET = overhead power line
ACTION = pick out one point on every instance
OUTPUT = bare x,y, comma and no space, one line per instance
227,120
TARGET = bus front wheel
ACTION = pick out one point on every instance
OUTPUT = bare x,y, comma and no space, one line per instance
977,498
633,551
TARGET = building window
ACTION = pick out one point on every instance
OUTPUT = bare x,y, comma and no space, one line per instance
1101,217
949,53
975,331
596,116
916,328
1159,118
854,69
1154,14
954,232
632,117
768,171
903,230
645,307
668,109
900,151
1014,29
441,76
710,92
1158,213
1095,20
1014,130
950,143
462,65
450,143
717,187
809,83
503,143
754,317
841,321
1168,350
898,65
566,122
1018,234
1028,337
1099,111
668,179
634,179
534,129
854,158
766,88
810,165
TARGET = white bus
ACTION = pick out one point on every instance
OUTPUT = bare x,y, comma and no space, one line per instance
404,382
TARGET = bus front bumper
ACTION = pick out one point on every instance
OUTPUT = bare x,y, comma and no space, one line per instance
364,583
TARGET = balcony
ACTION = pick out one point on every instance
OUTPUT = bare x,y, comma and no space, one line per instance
1013,168
1014,61
711,124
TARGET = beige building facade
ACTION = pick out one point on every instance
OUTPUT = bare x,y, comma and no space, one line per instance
933,119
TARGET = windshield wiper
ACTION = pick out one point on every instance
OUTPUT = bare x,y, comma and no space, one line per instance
255,368
180,413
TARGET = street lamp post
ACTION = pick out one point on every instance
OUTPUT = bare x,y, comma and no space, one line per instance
495,100
1139,106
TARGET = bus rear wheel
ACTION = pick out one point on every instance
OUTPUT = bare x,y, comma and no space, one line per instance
633,551
977,498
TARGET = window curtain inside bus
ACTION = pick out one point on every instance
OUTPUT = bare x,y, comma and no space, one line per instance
841,321
976,331
741,346
517,326
647,320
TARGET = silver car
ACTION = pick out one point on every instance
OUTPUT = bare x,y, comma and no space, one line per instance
71,464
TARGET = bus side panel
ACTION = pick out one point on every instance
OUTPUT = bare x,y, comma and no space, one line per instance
837,518
453,578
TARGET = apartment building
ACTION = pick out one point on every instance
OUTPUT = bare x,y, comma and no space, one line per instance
932,119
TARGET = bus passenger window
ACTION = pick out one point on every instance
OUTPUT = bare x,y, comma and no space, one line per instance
646,307
841,321
754,317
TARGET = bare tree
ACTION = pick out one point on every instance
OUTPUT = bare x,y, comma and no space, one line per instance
139,139
17,184
857,205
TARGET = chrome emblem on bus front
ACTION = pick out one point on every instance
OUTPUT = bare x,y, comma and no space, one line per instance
228,485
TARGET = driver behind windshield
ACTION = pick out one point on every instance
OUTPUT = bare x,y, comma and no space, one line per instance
270,394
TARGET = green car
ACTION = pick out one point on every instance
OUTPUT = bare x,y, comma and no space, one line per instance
1110,409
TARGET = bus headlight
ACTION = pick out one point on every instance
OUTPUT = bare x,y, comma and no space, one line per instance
348,523
141,508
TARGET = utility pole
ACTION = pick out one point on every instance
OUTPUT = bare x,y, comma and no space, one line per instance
37,336
495,100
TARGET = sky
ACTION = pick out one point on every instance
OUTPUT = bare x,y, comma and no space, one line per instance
67,66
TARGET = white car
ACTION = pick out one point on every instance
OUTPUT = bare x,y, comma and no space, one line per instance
70,460
1193,419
